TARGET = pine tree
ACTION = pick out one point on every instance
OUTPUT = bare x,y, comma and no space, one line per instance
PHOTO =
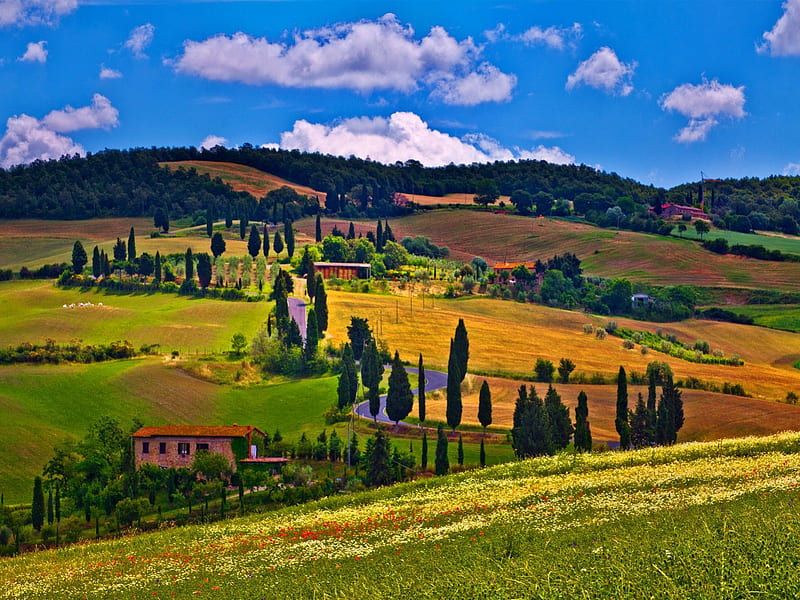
583,433
131,246
423,460
288,231
97,264
621,420
421,390
454,406
37,506
321,304
217,245
266,245
312,336
558,415
277,243
157,270
442,463
189,260
639,423
530,434
318,230
377,460
79,258
254,242
482,455
485,406
399,399
460,453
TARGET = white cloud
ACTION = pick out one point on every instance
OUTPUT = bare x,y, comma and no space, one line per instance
108,73
35,52
211,141
604,71
553,37
784,37
362,56
27,138
703,104
139,39
34,12
792,169
404,136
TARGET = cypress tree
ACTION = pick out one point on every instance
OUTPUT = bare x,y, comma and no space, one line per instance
204,269
377,459
106,265
210,217
558,416
351,232
639,423
189,260
131,246
485,406
288,231
266,244
482,455
293,339
399,399
621,420
50,514
157,269
218,245
343,391
277,243
58,503
442,462
97,263
318,230
669,413
423,460
312,336
79,258
530,434
371,370
651,406
37,506
254,242
321,304
461,348
311,279
349,367
120,251
583,433
388,235
421,390
454,406
379,241
228,215
460,453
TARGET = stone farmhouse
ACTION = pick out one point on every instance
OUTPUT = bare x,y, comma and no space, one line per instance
176,445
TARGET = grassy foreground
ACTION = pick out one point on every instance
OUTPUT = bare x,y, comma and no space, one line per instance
710,520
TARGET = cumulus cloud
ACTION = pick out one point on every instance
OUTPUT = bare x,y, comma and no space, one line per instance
604,71
35,52
211,141
139,39
792,169
108,73
553,37
363,56
703,104
34,12
784,37
27,138
404,136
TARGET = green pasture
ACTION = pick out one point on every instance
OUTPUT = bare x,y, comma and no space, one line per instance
34,311
775,316
789,244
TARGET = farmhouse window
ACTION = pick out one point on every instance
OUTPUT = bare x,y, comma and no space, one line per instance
162,447
183,448
145,447
201,447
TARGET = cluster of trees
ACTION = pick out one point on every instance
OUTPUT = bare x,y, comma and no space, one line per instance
757,251
652,422
52,353
543,427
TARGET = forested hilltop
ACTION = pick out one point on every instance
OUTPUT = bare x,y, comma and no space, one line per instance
133,183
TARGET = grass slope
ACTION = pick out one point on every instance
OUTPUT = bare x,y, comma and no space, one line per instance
719,520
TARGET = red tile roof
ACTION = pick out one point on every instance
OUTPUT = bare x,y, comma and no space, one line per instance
202,431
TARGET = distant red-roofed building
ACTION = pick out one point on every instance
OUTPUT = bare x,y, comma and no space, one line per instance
176,445
676,210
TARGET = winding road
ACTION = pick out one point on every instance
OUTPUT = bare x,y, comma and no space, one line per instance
434,380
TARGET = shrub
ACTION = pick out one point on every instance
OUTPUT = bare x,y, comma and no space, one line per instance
588,329
644,349
628,344
600,333
611,327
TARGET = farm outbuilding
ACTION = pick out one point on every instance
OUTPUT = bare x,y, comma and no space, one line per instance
344,270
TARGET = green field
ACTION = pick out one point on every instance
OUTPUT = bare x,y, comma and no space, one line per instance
776,316
712,520
784,243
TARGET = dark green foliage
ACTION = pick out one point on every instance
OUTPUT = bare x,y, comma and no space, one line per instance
360,335
565,368
312,336
486,192
254,242
379,238
277,243
422,246
485,406
530,434
454,405
371,374
288,232
460,347
334,447
482,455
318,230
161,219
544,370
97,262
399,400
189,262
204,269
37,505
442,462
292,337
120,251
583,433
131,246
351,232
376,460
265,246
421,390
145,264
349,367
423,459
217,245
321,304
640,424
669,415
79,258
210,218
621,419
460,452
558,416
50,514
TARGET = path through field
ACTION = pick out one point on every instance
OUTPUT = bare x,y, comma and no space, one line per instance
434,380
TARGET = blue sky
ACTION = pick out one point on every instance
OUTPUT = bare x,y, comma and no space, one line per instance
656,90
